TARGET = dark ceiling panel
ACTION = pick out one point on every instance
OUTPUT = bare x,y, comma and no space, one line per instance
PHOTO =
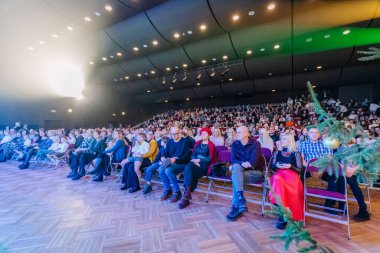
182,94
319,78
362,74
208,91
171,58
238,88
212,48
159,97
139,66
224,11
277,65
142,5
278,83
135,32
100,45
173,17
107,74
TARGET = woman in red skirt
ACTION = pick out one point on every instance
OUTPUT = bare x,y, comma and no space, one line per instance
286,184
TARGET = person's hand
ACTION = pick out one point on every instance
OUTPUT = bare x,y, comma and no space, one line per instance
172,160
246,165
351,170
163,159
123,162
196,160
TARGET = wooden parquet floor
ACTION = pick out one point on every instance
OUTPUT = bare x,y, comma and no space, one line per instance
42,211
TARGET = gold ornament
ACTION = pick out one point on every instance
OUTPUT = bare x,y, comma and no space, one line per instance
331,143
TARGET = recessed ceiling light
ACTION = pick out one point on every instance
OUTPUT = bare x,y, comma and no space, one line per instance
135,49
108,7
70,28
309,39
171,87
327,36
41,42
211,96
314,86
235,17
203,27
111,56
230,79
153,72
167,69
97,14
55,36
88,19
69,110
176,35
319,67
277,46
271,6
121,79
204,61
155,42
225,57
249,52
126,77
115,79
104,58
305,69
347,31
273,90
262,49
189,32
119,54
187,99
91,62
148,91
123,113
251,13
214,59
114,114
184,65
166,101
145,45
183,34
139,74
31,48
269,74
198,84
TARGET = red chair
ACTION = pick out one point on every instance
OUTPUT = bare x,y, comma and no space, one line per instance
326,195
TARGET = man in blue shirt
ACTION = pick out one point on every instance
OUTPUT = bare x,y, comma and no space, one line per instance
247,167
175,158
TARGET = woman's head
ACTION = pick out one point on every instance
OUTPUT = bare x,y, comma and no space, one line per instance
287,141
205,133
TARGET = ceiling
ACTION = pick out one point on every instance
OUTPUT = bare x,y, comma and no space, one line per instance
271,46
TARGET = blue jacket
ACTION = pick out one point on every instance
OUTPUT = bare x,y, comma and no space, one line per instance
180,150
45,143
160,154
119,151
251,152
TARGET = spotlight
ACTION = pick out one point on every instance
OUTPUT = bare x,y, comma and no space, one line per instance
163,81
184,77
225,71
199,75
174,79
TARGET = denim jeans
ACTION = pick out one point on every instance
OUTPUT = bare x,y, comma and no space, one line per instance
169,175
150,170
239,177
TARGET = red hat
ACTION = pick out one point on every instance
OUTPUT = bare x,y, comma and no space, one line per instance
207,130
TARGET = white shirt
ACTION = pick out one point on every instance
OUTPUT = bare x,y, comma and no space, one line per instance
141,148
62,147
218,141
54,146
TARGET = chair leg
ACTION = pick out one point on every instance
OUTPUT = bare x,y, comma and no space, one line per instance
369,199
263,200
208,190
348,221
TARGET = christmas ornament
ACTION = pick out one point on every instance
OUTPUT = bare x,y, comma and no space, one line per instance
331,143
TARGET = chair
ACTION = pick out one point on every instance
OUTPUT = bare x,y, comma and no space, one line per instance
267,153
326,195
120,174
220,149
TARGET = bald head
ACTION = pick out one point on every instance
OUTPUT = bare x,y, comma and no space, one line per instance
175,133
242,133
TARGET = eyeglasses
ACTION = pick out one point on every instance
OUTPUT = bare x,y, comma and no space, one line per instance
174,133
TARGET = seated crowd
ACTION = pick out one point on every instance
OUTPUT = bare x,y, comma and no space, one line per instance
184,143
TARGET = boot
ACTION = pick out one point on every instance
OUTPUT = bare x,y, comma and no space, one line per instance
166,194
147,189
281,223
185,201
242,202
98,179
234,213
362,215
134,189
25,166
176,196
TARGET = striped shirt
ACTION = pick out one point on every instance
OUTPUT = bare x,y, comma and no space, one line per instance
312,150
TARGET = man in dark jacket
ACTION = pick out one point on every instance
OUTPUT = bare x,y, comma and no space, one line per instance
247,167
43,144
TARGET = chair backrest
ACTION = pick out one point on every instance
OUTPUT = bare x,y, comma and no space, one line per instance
311,168
220,149
267,153
224,156
128,150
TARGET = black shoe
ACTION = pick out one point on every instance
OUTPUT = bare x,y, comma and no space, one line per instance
93,172
242,202
281,224
125,187
176,196
107,174
134,189
234,214
77,177
24,166
21,165
147,189
166,194
71,174
362,216
98,179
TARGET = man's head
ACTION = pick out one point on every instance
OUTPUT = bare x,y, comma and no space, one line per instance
314,134
149,136
175,133
242,133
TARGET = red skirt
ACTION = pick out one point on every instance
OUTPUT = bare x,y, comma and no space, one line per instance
287,185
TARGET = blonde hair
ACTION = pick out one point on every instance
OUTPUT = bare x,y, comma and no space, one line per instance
292,143
265,140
